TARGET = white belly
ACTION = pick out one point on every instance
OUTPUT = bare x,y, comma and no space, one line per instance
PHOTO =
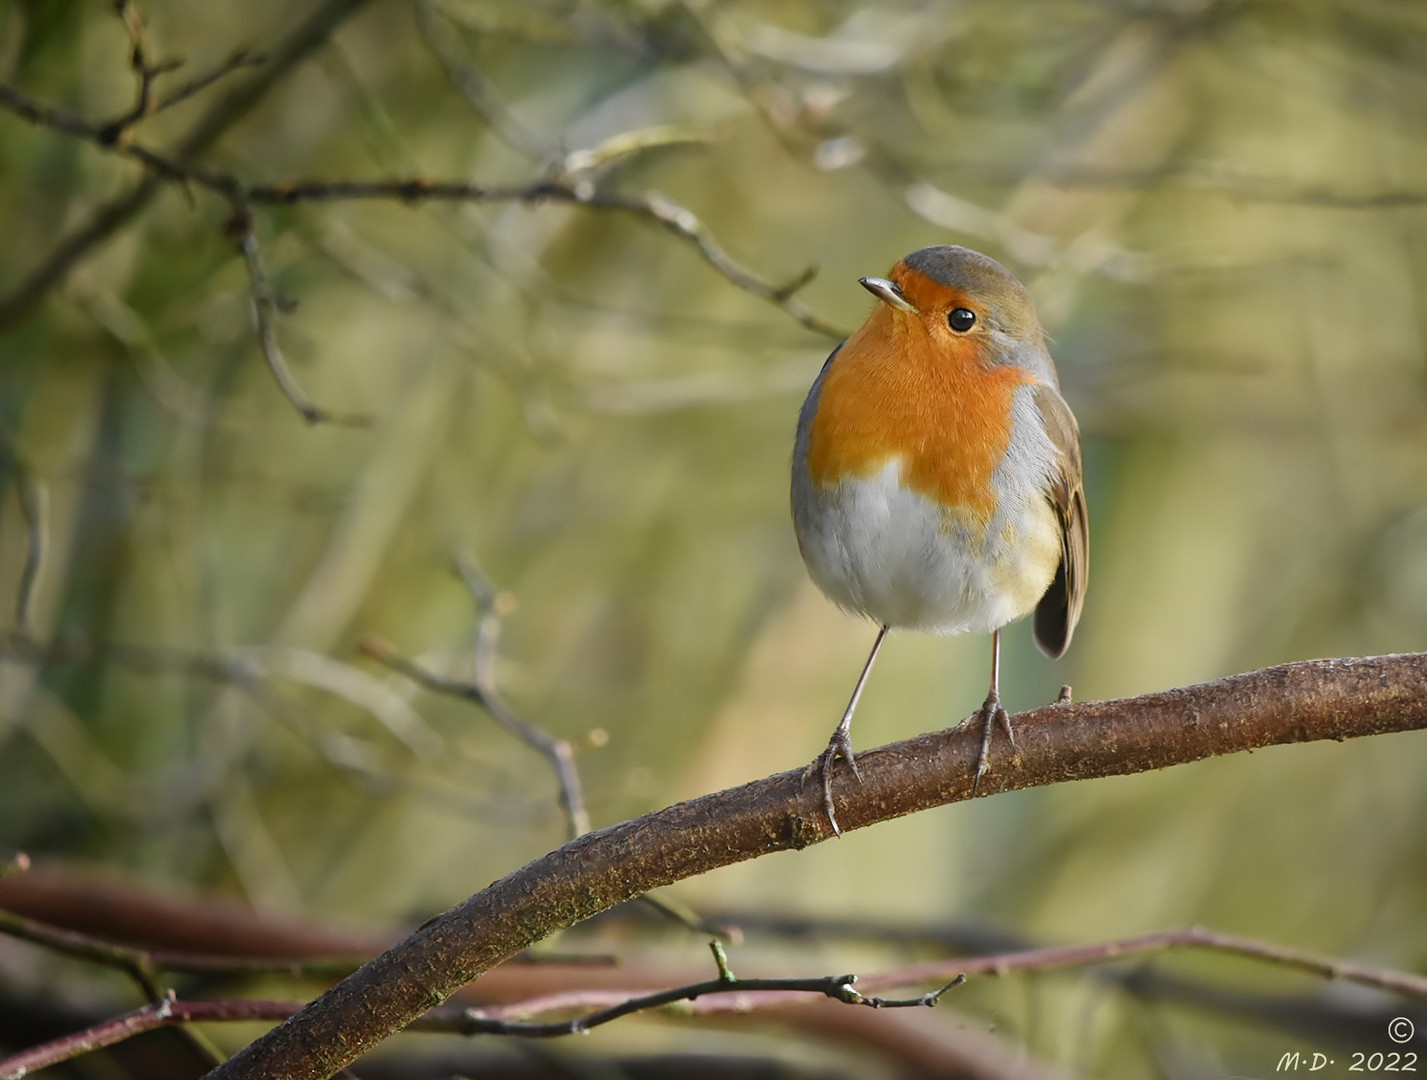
879,550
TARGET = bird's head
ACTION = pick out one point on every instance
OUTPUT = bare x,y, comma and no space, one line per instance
964,304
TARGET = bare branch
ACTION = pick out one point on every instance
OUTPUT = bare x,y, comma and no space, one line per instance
163,1013
648,205
145,74
838,987
134,963
1322,699
308,35
31,493
727,993
483,693
266,307
474,89
239,59
574,188
169,1011
253,670
144,965
1192,937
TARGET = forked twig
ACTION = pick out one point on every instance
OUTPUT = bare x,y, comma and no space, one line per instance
266,306
481,690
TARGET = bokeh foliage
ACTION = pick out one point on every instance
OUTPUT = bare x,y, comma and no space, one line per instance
1219,207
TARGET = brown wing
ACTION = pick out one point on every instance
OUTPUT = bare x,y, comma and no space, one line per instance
1059,609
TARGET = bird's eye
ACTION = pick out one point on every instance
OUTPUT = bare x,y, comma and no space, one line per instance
961,319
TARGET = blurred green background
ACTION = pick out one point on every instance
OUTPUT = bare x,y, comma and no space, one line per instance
1220,208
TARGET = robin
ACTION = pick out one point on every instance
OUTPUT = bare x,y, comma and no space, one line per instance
937,479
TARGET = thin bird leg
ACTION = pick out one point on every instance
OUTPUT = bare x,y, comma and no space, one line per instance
991,714
841,741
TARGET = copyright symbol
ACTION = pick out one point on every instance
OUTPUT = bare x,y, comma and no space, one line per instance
1400,1029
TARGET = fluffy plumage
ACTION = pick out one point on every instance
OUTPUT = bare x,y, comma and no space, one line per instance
936,471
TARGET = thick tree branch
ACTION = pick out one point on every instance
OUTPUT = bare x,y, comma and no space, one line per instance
1302,702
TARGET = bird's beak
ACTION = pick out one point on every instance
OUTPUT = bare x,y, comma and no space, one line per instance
888,293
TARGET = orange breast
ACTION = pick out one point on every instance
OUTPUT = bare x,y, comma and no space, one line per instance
892,393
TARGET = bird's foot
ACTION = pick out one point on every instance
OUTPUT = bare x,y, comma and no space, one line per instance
840,745
1064,697
989,715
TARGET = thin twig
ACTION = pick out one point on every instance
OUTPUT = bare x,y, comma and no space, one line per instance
117,131
308,35
838,987
266,307
724,993
241,58
469,1021
162,1013
32,496
145,965
482,692
252,670
135,963
688,918
1192,937
489,602
650,206
476,93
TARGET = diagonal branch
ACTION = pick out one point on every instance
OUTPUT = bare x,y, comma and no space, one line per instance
482,692
240,58
1301,702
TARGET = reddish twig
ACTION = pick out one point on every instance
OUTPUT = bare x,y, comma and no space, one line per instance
1192,937
470,1021
725,994
160,1014
144,965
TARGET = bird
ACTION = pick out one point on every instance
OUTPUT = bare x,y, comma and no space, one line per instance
937,478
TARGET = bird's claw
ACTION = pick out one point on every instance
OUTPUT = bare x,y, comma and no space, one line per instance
840,745
991,714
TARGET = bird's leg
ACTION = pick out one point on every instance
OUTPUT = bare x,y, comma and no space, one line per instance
990,714
841,742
